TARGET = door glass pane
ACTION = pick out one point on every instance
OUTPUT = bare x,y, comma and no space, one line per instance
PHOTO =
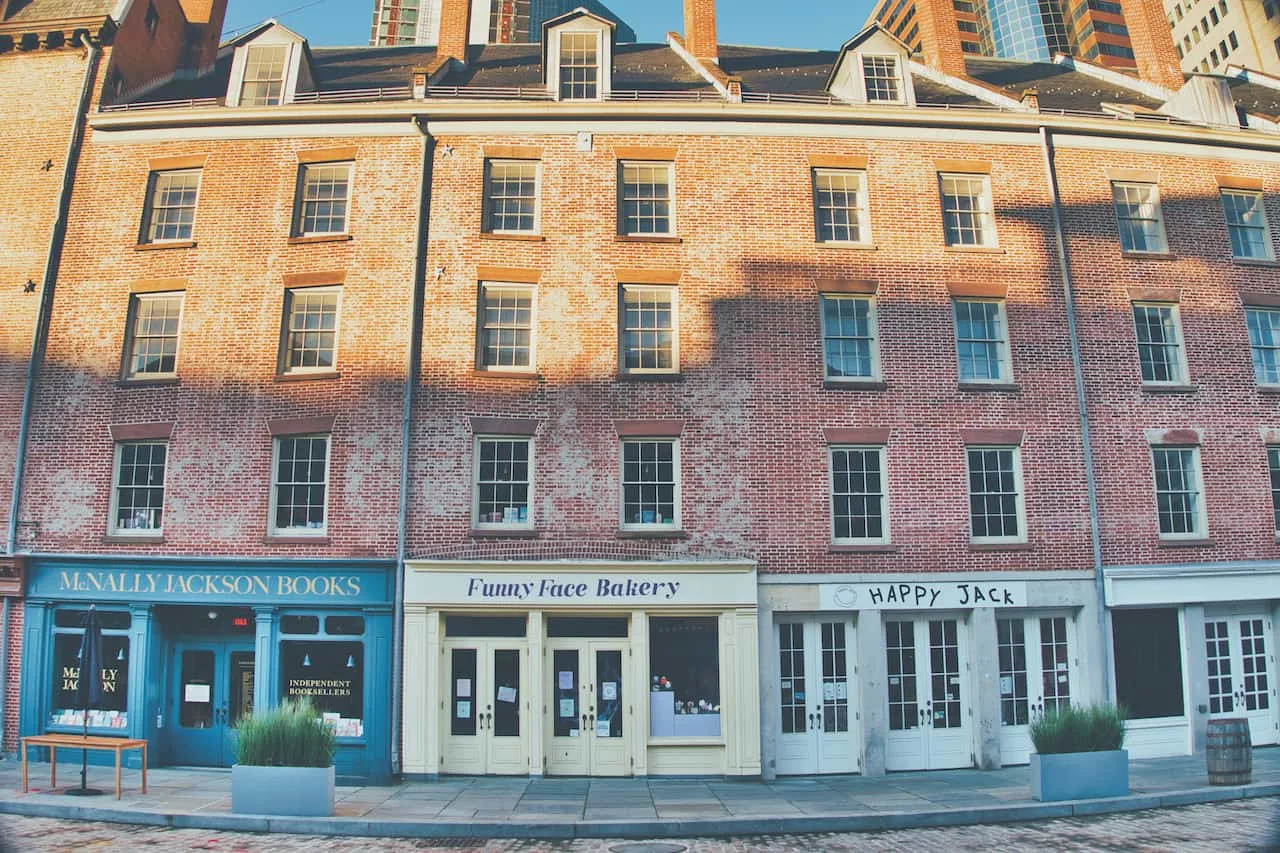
462,690
506,693
587,626
1012,648
609,693
1055,675
835,680
564,692
791,677
900,649
1218,660
195,708
1253,660
944,658
240,687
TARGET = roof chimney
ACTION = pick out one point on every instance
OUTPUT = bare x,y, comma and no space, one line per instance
455,29
204,29
940,36
1152,42
700,29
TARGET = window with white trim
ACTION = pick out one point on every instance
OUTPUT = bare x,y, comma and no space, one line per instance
859,511
323,192
982,340
503,482
1264,343
300,485
506,326
647,200
264,70
1159,335
1273,468
840,206
169,215
996,512
651,483
1179,494
850,349
579,66
137,493
154,323
511,196
1138,217
650,338
968,217
882,79
311,329
1247,225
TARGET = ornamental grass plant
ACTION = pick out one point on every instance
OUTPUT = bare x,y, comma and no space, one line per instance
1095,728
290,735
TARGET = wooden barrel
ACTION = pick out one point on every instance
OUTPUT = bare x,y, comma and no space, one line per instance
1228,752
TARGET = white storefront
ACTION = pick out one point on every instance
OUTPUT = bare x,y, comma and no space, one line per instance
582,668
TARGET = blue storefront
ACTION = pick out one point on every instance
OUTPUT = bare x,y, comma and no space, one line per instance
191,645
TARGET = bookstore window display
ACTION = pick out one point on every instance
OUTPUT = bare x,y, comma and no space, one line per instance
684,667
112,713
328,672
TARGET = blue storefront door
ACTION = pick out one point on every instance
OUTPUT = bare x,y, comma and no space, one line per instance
214,688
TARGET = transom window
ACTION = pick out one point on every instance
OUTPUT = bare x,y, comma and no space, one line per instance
323,190
506,327
982,340
263,75
995,495
137,499
300,484
840,206
1138,217
1247,224
1179,505
502,482
511,196
1273,466
649,339
650,483
1264,344
967,216
311,333
880,75
171,206
153,335
579,66
647,199
858,495
1159,343
849,346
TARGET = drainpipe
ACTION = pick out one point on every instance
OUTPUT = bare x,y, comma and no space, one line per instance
406,423
1090,476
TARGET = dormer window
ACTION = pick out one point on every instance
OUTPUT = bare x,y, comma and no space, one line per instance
579,66
271,66
578,56
872,69
881,79
264,75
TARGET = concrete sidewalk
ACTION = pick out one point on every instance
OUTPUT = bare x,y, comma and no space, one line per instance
465,807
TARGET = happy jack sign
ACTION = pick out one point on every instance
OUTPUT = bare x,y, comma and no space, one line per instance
905,595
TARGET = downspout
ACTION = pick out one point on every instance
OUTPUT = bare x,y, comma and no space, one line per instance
406,424
1090,476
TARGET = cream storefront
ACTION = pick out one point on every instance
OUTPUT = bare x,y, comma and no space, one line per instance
581,668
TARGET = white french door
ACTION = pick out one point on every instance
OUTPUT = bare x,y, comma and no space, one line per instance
487,724
816,731
1035,676
1240,661
928,695
588,725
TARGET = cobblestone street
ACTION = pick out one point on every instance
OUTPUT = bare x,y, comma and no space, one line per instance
1241,825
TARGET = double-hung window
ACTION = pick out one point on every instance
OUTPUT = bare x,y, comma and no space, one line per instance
650,338
1138,217
968,218
1273,467
323,192
579,66
264,69
647,199
511,197
151,351
311,330
506,327
996,512
170,212
840,206
1264,344
859,506
982,340
651,484
137,493
503,482
1247,225
1179,493
1160,352
300,485
882,80
849,346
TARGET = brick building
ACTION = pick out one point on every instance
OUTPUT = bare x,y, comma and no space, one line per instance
700,408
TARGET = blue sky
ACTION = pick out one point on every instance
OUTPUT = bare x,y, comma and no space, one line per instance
822,24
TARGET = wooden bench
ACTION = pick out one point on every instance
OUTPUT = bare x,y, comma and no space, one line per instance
55,741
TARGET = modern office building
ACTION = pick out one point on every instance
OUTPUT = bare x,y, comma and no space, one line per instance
1213,36
404,22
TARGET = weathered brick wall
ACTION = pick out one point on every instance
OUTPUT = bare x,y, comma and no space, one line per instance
144,59
13,651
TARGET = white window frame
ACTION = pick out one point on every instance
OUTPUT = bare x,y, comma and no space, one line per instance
476,523
1199,513
604,56
673,294
482,363
861,209
146,235
286,347
1272,470
670,168
294,76
1002,343
882,456
1162,247
323,529
1020,496
136,301
676,524
300,201
1273,347
873,328
283,79
113,522
488,211
1268,248
897,68
985,211
1183,376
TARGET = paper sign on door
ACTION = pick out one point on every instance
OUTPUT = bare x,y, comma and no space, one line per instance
1006,685
609,691
506,694
828,691
464,711
842,690
566,709
196,693
464,687
566,681
602,728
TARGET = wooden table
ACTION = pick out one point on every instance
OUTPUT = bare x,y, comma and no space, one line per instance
110,744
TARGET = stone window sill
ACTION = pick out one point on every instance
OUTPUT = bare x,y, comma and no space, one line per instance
1256,262
295,540
836,244
1001,546
863,549
1269,389
1149,256
1006,387
121,539
505,533
624,376
176,244
646,238
630,533
1157,388
975,250
1186,543
158,382
302,240
507,374
519,238
304,377
854,384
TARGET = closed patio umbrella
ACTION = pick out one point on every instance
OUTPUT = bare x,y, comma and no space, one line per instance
89,688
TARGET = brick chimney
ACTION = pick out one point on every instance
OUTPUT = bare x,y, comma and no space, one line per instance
1152,42
204,31
455,29
700,29
940,36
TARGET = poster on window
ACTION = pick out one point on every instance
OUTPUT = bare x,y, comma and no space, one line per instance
330,674
110,713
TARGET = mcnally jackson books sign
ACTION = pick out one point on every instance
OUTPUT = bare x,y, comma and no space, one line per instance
904,595
296,585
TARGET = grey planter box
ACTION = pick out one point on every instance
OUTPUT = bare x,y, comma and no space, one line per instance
296,791
1080,775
